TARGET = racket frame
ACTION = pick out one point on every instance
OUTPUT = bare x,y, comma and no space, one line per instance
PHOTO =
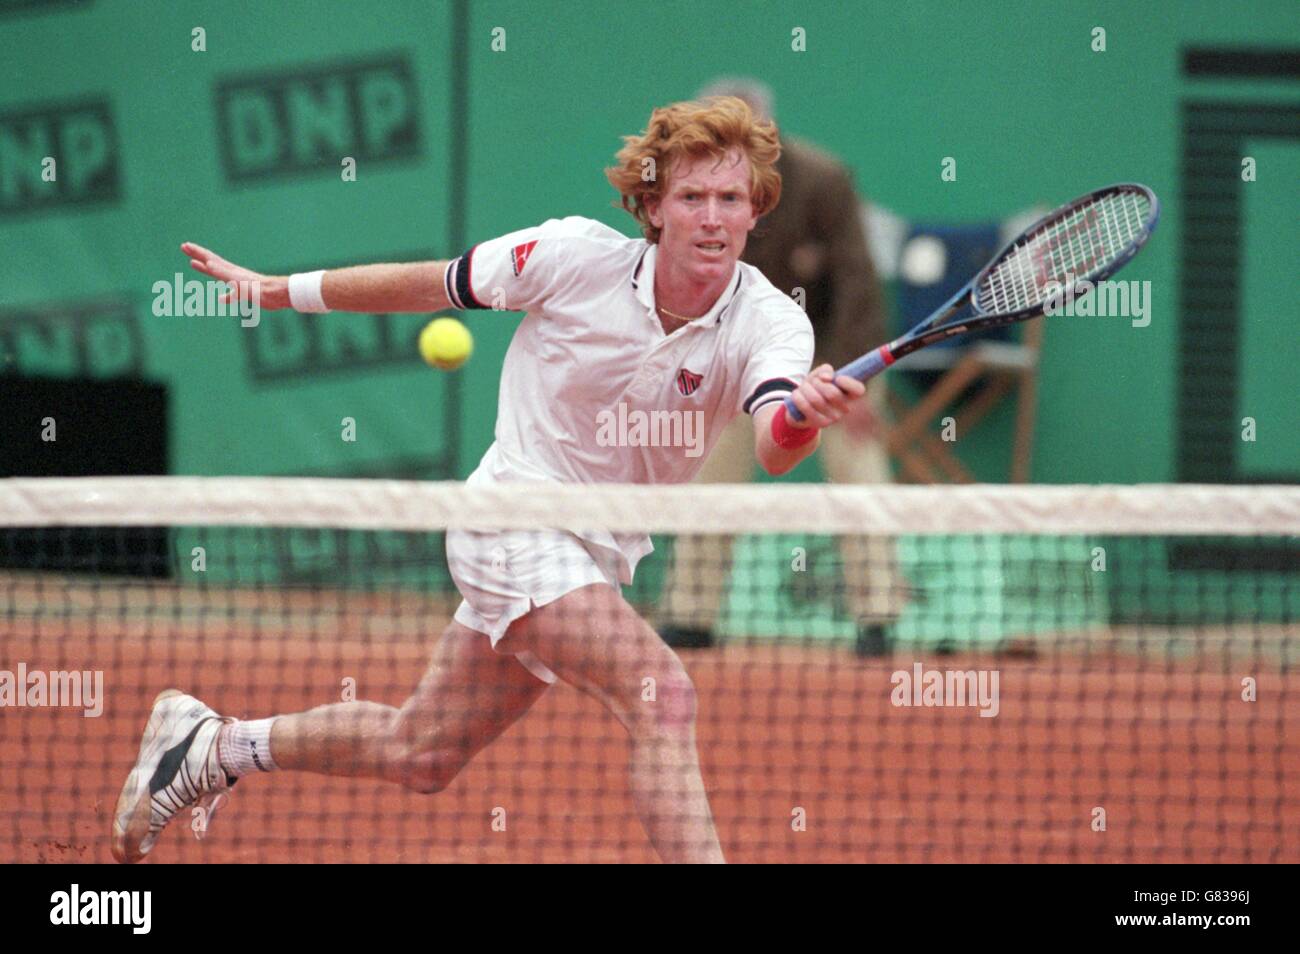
940,325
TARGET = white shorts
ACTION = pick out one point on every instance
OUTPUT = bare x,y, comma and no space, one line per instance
504,575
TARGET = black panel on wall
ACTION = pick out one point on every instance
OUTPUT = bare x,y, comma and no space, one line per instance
1213,137
98,428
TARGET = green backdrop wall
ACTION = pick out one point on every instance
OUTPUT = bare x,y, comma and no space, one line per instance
239,148
471,118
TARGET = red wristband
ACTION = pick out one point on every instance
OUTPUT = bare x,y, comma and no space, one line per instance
786,434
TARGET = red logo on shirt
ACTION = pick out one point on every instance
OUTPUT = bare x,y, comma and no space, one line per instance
519,256
688,382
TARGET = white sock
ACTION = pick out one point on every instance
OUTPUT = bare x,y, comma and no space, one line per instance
245,747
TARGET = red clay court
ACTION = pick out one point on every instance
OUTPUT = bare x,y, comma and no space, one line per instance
1185,770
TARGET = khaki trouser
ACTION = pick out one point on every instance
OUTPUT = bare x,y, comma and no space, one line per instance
700,566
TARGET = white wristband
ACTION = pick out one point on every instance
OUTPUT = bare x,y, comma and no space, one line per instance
305,292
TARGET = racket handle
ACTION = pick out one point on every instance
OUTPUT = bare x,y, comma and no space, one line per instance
864,369
869,365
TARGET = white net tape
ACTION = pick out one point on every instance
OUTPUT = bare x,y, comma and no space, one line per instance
1178,509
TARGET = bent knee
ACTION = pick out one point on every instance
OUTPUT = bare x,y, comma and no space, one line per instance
426,772
668,704
421,760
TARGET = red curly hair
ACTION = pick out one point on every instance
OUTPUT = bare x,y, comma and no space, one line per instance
708,127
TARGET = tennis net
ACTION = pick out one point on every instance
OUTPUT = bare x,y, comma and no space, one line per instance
977,674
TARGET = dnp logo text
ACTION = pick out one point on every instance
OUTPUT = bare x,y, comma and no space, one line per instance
302,120
58,155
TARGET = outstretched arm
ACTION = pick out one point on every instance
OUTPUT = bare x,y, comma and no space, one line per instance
414,287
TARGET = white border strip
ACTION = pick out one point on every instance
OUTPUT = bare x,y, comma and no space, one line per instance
1179,509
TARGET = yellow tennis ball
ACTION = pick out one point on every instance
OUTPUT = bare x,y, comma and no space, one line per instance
446,343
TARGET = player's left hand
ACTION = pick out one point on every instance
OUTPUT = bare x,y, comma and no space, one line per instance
823,398
273,290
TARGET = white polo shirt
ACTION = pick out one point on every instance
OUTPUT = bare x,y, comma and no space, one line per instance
592,390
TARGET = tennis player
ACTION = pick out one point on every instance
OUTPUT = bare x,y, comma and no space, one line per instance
671,322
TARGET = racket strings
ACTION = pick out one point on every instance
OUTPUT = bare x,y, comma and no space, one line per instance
1070,248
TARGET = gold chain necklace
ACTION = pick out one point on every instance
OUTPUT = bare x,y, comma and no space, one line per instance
678,317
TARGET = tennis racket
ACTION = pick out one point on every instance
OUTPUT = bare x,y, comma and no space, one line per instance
1086,240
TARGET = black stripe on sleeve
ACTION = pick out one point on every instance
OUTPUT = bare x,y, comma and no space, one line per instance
460,292
765,401
449,283
776,387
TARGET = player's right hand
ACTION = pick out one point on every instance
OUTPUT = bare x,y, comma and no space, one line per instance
824,398
273,289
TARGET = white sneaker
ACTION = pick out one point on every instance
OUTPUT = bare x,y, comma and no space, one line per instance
177,769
